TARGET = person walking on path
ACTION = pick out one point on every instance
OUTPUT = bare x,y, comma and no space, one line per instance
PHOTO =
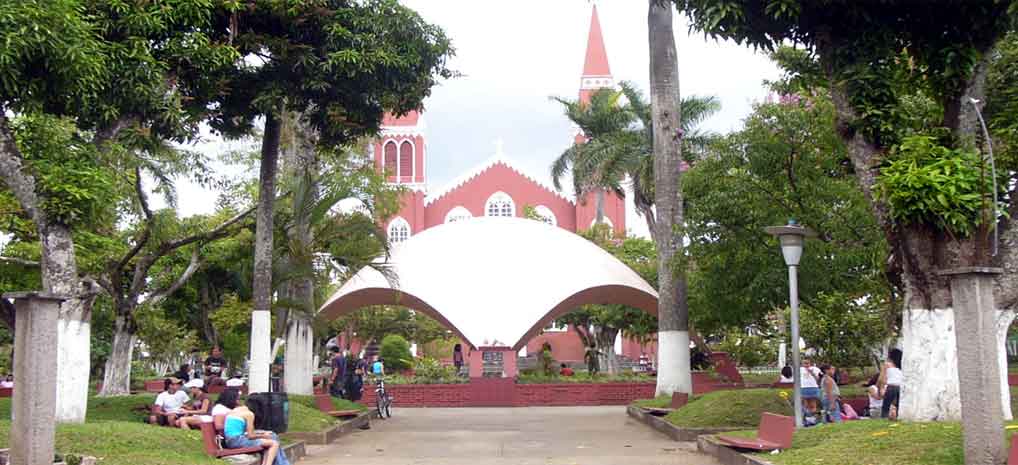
891,379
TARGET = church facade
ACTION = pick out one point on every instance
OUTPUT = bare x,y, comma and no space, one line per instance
498,187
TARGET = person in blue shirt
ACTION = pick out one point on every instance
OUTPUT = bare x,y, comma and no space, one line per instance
238,433
378,368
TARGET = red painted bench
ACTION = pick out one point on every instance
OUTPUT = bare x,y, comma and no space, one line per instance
1012,455
155,385
324,404
210,433
6,392
775,432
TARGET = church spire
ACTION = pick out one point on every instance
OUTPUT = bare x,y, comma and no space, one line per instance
596,72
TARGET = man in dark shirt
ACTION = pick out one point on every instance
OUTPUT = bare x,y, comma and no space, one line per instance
215,364
338,377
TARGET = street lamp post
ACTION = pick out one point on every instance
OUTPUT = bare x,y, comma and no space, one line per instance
792,237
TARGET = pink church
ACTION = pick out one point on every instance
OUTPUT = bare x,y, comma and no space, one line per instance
498,187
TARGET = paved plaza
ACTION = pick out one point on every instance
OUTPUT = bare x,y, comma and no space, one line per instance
502,436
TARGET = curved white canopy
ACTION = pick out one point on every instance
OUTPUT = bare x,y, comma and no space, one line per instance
495,281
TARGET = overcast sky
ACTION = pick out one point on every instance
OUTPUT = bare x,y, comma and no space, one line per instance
514,55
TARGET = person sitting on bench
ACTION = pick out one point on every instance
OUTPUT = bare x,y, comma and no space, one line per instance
201,405
215,365
168,404
239,433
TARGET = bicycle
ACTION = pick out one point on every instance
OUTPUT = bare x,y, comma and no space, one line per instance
383,401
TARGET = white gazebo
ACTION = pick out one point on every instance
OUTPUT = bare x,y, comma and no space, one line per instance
495,281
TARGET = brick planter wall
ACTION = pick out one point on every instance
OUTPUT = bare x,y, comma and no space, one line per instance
524,395
422,395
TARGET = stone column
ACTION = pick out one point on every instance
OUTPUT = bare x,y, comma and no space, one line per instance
509,363
33,408
978,371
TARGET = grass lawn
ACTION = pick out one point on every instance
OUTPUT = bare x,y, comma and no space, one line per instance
115,432
657,402
876,442
741,407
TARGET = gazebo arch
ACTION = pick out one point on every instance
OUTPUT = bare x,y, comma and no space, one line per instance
495,281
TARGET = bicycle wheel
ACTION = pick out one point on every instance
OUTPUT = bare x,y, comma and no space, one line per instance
388,406
380,406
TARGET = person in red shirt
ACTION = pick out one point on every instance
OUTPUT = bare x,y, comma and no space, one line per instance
566,371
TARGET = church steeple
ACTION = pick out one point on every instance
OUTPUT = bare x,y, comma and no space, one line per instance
596,72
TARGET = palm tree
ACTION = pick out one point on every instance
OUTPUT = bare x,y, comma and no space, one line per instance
619,146
673,309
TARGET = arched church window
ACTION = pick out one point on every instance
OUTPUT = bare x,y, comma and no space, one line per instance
546,215
399,230
406,159
500,204
459,213
389,158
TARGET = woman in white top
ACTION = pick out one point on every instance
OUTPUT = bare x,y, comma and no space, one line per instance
891,380
809,390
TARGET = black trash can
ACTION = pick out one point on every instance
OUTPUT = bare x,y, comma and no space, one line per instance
271,410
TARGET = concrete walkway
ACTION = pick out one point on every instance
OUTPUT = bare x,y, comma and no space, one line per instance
502,436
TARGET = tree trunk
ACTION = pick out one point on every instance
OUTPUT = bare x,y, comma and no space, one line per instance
206,306
117,377
299,356
673,313
60,277
74,335
605,338
599,206
261,339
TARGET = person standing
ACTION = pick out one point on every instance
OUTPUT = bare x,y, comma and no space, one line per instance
892,378
457,358
590,355
215,366
338,372
831,396
809,390
378,368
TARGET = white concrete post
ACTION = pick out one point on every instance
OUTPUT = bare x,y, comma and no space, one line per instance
261,351
33,408
978,371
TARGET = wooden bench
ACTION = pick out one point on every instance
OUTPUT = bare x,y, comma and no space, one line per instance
210,433
775,432
324,404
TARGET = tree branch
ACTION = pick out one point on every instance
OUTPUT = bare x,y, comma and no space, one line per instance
192,267
20,261
216,233
110,132
146,233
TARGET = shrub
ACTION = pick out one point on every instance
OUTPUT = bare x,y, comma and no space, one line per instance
428,370
396,352
748,351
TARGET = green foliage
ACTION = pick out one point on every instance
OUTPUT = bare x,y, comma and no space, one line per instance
165,339
396,352
428,370
375,323
787,162
749,351
846,332
925,180
232,321
76,184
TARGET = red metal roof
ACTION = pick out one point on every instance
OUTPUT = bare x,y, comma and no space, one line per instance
410,119
596,62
